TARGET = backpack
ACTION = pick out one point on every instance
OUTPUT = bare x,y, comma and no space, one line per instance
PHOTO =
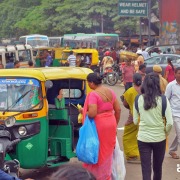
164,105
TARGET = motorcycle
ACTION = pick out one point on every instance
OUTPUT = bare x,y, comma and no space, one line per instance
110,77
118,69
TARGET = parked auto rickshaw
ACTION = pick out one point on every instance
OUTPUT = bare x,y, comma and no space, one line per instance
19,52
81,57
34,130
55,52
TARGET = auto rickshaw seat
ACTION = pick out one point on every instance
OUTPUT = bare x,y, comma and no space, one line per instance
58,116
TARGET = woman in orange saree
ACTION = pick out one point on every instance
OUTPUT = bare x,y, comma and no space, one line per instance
102,105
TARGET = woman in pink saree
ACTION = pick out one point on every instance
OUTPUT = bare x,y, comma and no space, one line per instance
102,105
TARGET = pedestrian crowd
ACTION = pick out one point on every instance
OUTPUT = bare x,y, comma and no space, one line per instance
153,103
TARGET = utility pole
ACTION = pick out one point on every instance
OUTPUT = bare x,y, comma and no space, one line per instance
140,32
149,22
102,23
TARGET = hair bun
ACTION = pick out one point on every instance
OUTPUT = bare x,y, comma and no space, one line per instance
139,83
100,77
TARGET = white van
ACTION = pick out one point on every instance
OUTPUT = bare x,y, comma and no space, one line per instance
12,53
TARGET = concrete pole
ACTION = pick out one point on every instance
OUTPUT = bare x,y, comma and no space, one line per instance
140,32
102,24
149,23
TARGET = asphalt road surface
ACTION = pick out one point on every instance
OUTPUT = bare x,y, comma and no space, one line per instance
133,171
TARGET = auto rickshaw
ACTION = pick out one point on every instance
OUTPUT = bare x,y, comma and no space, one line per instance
55,52
34,131
81,56
19,52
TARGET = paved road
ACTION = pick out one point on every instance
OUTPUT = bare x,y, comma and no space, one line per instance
133,171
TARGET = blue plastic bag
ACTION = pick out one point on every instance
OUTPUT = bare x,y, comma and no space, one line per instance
87,149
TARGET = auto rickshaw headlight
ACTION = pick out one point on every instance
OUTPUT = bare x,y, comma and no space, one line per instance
10,121
22,131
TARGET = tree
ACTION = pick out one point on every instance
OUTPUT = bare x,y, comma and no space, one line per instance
57,17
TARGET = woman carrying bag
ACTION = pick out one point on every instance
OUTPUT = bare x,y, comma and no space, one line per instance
102,105
152,128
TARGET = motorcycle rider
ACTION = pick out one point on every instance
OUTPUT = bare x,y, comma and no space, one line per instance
107,60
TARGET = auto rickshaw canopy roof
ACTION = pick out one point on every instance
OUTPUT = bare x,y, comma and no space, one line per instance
50,73
84,51
48,48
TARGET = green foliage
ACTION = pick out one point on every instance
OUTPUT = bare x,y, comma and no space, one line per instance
57,17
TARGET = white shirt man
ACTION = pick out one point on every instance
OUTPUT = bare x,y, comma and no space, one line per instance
72,59
173,94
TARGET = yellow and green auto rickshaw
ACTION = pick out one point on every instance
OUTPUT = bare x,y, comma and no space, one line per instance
84,57
34,129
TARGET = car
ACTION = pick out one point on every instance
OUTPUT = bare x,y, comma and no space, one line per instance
165,49
161,60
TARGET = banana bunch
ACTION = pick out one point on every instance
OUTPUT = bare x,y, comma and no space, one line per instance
80,116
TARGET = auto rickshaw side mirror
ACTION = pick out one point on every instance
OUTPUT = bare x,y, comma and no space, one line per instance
48,84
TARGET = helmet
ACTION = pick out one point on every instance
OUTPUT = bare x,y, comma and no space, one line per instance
107,53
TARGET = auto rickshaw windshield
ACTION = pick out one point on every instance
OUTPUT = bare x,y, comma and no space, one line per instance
19,94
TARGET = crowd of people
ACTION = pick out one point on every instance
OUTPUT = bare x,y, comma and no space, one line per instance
138,144
153,104
16,64
153,107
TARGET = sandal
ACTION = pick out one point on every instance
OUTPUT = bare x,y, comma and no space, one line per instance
134,160
173,155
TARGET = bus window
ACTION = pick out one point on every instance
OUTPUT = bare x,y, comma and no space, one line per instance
55,41
97,40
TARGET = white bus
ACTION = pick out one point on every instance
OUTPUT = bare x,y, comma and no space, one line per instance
35,40
56,41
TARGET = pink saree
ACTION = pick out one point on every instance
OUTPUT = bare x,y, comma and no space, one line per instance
106,128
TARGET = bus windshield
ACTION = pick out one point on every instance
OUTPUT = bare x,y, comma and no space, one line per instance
107,41
35,40
20,94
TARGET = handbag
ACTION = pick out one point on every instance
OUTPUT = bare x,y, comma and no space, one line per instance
87,149
118,165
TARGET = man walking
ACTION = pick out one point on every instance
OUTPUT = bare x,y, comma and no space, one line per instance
173,94
47,58
127,74
72,59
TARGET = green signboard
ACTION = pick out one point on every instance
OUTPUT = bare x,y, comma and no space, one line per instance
133,8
